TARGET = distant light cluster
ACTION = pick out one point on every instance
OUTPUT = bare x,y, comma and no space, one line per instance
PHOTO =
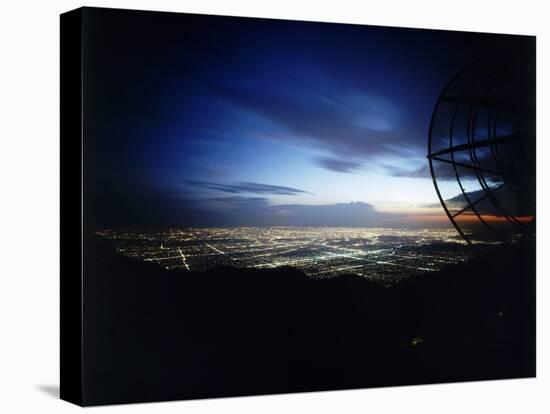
383,255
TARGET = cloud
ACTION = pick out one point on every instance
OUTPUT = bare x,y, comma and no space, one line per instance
257,211
508,200
338,165
238,200
344,123
342,214
247,187
422,172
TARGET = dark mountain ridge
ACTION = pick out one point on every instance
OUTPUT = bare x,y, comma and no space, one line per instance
229,332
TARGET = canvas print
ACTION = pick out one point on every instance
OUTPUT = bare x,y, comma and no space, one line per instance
257,206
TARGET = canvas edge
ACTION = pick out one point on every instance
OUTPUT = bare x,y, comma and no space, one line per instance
71,204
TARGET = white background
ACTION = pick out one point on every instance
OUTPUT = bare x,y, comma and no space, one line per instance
29,206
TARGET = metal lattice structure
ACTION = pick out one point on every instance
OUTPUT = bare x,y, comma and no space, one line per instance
481,150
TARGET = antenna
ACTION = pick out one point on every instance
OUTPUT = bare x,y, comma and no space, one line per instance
481,150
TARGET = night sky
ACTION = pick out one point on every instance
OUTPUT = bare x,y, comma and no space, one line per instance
205,120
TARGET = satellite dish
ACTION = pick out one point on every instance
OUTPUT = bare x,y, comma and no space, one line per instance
481,150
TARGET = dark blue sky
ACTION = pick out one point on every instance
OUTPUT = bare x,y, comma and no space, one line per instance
205,120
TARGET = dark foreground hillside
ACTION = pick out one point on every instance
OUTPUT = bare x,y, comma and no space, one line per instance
153,334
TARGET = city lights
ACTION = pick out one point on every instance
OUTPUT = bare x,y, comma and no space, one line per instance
384,255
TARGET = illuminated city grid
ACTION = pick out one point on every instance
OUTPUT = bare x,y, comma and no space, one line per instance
384,255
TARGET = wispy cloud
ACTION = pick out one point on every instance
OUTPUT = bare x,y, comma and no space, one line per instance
338,165
363,125
422,172
247,187
238,199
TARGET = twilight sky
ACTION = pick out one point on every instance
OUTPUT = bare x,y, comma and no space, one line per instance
206,120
